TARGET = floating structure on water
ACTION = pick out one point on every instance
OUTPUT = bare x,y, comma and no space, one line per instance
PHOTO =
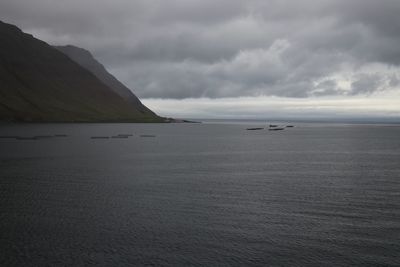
122,135
8,137
276,127
43,136
255,129
119,136
35,137
26,138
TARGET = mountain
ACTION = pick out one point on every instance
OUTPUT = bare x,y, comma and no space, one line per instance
38,83
86,60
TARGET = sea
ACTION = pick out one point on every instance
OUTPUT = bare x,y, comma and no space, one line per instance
199,194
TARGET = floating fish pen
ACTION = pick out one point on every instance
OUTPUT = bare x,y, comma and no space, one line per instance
43,136
26,138
255,129
8,137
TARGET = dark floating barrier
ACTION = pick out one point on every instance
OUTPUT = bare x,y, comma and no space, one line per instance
8,137
276,129
119,136
35,137
43,136
100,137
26,138
147,135
127,135
289,126
255,129
273,125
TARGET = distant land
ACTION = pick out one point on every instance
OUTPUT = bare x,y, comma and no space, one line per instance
41,83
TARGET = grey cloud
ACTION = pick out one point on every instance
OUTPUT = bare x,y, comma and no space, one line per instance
228,48
326,88
394,80
366,84
372,82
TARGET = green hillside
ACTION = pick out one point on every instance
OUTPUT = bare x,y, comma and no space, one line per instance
38,83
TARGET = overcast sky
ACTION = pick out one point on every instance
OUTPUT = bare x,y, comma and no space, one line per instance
324,57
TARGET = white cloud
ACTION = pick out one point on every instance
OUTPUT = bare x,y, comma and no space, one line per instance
378,105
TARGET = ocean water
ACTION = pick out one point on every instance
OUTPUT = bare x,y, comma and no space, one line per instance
199,195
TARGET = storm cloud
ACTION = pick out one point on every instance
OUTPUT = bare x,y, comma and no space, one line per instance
228,48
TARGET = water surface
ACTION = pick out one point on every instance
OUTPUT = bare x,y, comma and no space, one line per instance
200,194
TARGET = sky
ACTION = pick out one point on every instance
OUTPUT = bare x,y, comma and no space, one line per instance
235,58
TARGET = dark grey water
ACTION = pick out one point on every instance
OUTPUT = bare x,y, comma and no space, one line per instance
200,194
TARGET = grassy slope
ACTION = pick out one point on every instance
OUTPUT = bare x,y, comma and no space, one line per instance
86,60
39,83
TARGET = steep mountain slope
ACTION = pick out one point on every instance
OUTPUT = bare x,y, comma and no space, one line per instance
39,83
86,60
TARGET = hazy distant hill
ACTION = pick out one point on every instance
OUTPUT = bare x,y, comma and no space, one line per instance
86,60
40,83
